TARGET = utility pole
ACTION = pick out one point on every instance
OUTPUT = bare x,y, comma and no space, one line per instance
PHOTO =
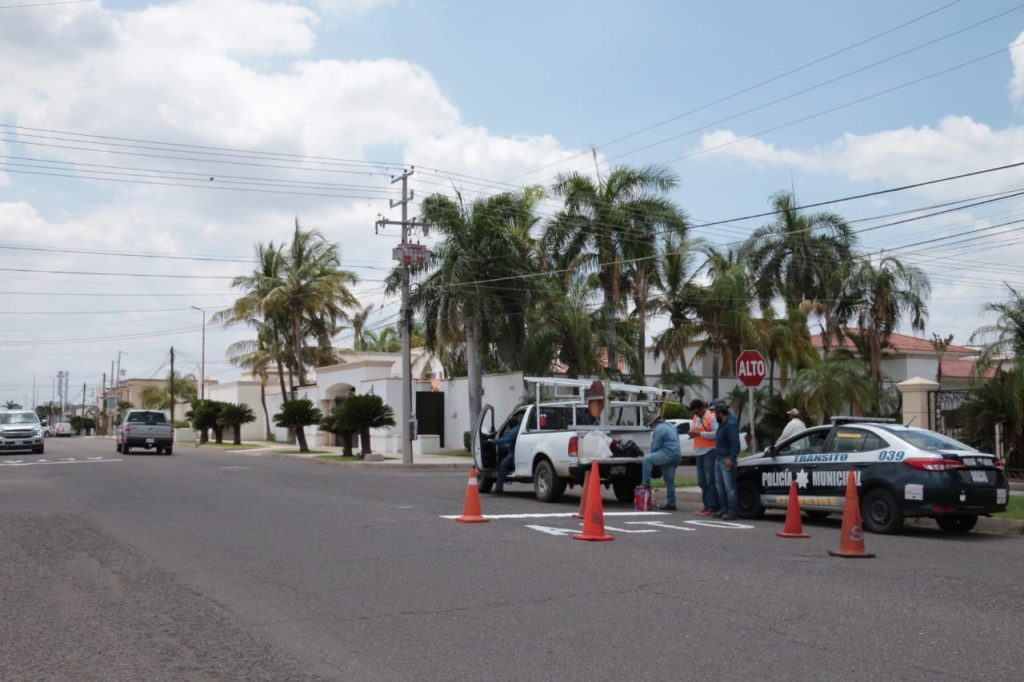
103,409
406,254
172,385
82,422
60,392
118,376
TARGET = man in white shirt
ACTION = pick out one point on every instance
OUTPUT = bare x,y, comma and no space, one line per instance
794,426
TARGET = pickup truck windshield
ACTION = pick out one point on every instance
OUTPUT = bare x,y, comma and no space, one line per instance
18,418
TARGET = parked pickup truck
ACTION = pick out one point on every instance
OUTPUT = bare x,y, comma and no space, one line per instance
145,429
559,438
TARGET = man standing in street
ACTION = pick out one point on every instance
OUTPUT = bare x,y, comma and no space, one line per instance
795,425
664,453
505,449
702,430
727,450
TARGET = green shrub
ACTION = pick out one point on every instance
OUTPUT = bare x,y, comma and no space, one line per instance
466,440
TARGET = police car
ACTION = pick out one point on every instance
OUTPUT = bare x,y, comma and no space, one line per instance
901,471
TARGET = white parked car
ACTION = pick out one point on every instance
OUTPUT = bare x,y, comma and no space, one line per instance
682,427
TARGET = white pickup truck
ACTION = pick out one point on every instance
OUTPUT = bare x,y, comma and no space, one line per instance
558,442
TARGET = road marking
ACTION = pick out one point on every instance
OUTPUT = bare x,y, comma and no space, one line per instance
623,530
19,463
659,524
556,515
718,524
551,530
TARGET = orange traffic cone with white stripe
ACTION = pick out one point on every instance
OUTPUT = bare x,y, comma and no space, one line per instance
794,524
593,519
581,514
471,509
851,537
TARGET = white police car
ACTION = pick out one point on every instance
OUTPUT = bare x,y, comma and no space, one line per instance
901,471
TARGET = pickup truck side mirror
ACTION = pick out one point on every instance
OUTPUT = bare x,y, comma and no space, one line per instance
769,451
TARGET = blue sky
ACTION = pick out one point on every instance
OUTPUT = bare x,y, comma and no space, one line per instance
483,89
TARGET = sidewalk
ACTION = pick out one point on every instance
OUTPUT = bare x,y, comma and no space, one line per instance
390,460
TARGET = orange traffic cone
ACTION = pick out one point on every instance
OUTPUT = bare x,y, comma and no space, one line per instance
471,509
581,514
794,525
851,538
593,521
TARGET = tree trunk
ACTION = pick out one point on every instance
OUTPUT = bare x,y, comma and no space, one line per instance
237,428
204,436
364,440
263,400
218,435
714,373
474,370
346,442
300,369
609,330
300,435
771,375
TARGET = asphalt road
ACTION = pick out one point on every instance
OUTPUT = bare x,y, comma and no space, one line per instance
218,566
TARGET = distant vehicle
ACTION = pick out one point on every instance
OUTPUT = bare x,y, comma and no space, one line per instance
557,443
901,471
63,429
21,430
45,423
148,429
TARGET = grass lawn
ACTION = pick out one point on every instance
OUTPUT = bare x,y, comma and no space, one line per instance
296,451
456,452
1015,510
340,458
223,446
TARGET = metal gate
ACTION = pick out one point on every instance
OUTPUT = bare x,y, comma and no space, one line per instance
430,414
943,407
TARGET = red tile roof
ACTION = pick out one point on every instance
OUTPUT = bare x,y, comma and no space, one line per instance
962,369
899,343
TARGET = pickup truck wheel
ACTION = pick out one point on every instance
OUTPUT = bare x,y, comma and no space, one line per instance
623,489
748,499
124,447
484,482
168,451
38,450
547,486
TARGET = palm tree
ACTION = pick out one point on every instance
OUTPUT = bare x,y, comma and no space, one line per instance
614,221
1005,338
359,332
234,415
311,292
476,292
152,397
365,412
680,293
723,312
883,294
791,256
827,387
298,414
337,423
786,343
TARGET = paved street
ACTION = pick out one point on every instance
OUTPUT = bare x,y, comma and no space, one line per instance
213,565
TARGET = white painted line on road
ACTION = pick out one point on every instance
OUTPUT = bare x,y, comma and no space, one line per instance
624,530
556,515
718,524
550,530
43,461
659,524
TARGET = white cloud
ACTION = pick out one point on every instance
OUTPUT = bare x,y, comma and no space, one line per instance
346,8
1017,80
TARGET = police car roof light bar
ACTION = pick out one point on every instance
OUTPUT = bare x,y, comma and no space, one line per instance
845,419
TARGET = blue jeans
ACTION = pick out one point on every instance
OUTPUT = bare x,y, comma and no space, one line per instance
706,480
506,463
668,463
725,482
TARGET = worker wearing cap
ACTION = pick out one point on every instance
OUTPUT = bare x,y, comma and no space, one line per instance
664,453
727,450
795,425
702,430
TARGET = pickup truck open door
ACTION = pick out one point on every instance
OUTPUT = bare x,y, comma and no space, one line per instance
485,457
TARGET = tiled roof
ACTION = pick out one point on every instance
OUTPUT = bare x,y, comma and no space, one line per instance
899,343
962,369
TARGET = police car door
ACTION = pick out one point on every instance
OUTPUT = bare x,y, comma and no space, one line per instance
792,460
852,449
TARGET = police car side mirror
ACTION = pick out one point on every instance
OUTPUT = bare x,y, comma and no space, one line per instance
769,451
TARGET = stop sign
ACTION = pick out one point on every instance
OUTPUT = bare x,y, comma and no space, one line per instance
751,368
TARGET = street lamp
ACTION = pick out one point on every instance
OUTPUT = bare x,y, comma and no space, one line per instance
202,366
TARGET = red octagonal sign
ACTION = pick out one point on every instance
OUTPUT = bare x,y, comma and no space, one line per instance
751,368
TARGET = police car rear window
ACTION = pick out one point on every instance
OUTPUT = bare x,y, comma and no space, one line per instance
857,440
929,440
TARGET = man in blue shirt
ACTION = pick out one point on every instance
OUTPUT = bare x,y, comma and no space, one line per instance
505,449
727,450
664,453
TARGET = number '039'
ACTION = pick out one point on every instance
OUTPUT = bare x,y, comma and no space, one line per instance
890,455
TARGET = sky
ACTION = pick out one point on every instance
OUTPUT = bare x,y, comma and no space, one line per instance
146,147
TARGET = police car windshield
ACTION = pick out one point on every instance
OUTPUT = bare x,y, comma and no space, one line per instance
929,440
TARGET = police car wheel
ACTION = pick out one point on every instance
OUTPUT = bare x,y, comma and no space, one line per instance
880,512
484,483
748,499
957,524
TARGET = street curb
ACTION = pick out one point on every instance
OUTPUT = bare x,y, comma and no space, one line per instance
401,466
